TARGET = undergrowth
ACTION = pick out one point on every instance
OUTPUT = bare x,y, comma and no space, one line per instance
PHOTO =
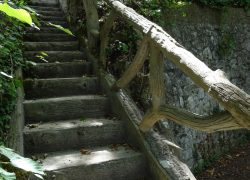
11,32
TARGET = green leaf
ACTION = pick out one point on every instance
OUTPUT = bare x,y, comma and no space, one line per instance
62,28
5,74
4,175
19,14
20,162
44,54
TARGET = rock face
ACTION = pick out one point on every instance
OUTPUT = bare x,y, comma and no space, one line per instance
69,125
222,41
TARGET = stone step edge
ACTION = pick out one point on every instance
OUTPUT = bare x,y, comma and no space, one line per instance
70,98
61,79
71,124
62,63
83,157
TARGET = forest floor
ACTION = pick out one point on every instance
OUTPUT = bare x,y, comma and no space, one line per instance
232,166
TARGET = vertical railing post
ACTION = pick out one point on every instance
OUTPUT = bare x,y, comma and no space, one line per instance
90,7
104,38
157,87
156,78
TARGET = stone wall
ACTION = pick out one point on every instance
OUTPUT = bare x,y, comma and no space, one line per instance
221,39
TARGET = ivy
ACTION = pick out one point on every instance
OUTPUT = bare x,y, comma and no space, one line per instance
11,32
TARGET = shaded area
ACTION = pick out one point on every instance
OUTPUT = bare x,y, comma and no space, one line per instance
232,166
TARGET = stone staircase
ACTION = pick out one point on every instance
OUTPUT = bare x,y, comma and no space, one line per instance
69,125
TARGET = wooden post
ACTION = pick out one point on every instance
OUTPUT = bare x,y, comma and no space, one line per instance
156,78
104,38
157,87
90,7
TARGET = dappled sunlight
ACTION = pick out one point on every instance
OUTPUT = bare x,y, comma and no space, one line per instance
96,123
100,156
75,159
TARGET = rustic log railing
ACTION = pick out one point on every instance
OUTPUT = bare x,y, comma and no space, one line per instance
159,45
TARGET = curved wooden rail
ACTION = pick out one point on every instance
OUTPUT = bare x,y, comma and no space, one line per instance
232,98
213,123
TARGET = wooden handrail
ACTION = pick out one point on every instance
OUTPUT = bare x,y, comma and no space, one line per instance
232,98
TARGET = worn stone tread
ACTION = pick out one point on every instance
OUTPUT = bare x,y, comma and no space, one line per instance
55,56
48,37
59,70
63,108
72,134
43,4
55,46
45,8
44,23
50,13
58,87
102,163
46,30
52,18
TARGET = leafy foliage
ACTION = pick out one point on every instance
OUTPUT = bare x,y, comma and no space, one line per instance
11,57
62,28
7,175
221,3
19,162
19,14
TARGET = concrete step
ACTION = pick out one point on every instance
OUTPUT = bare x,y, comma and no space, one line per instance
50,13
55,46
48,3
52,18
63,108
58,70
61,23
103,163
72,134
45,8
54,56
46,30
48,37
58,87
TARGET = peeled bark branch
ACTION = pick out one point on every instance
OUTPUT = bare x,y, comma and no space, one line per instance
233,99
217,122
135,66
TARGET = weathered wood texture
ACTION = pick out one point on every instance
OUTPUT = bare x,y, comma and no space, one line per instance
218,122
156,79
90,7
135,66
104,37
232,98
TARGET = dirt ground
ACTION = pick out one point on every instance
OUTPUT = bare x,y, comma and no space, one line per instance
232,166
